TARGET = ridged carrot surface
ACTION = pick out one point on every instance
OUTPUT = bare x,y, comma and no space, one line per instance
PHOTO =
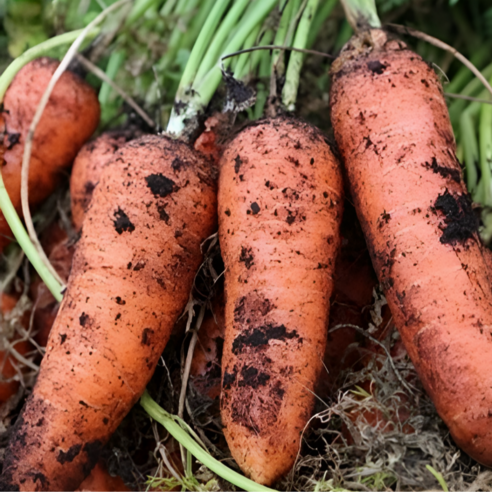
392,127
131,277
280,205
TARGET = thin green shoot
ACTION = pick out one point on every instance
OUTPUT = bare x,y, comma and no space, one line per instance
241,68
262,91
361,14
323,12
200,47
175,427
438,477
289,93
215,48
281,35
485,147
193,98
115,61
139,8
470,152
209,84
256,57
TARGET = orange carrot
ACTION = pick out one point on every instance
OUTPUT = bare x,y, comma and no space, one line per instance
100,480
206,363
280,203
393,130
69,119
8,364
131,276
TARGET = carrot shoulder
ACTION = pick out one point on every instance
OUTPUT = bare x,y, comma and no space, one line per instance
392,127
131,276
280,203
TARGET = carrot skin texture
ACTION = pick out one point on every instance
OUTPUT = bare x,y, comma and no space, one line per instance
69,119
131,276
87,168
393,130
280,206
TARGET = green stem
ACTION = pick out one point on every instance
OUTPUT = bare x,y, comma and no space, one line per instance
25,243
258,56
323,13
37,51
471,89
241,68
200,47
361,14
485,145
170,423
209,84
114,63
262,90
280,39
198,91
138,10
167,9
216,47
470,151
289,92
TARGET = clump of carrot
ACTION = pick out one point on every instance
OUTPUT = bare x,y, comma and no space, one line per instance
392,127
70,118
154,209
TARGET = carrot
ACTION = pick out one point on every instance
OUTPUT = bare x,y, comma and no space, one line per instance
9,385
70,118
206,363
280,204
100,480
131,276
393,130
87,167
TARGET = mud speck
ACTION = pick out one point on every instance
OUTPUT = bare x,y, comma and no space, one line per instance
70,455
259,337
375,66
255,208
247,257
122,223
460,222
445,172
160,185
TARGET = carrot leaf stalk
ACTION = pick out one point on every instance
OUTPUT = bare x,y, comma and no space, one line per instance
289,93
361,14
201,79
181,432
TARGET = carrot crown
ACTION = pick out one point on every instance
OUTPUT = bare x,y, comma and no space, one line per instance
202,74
